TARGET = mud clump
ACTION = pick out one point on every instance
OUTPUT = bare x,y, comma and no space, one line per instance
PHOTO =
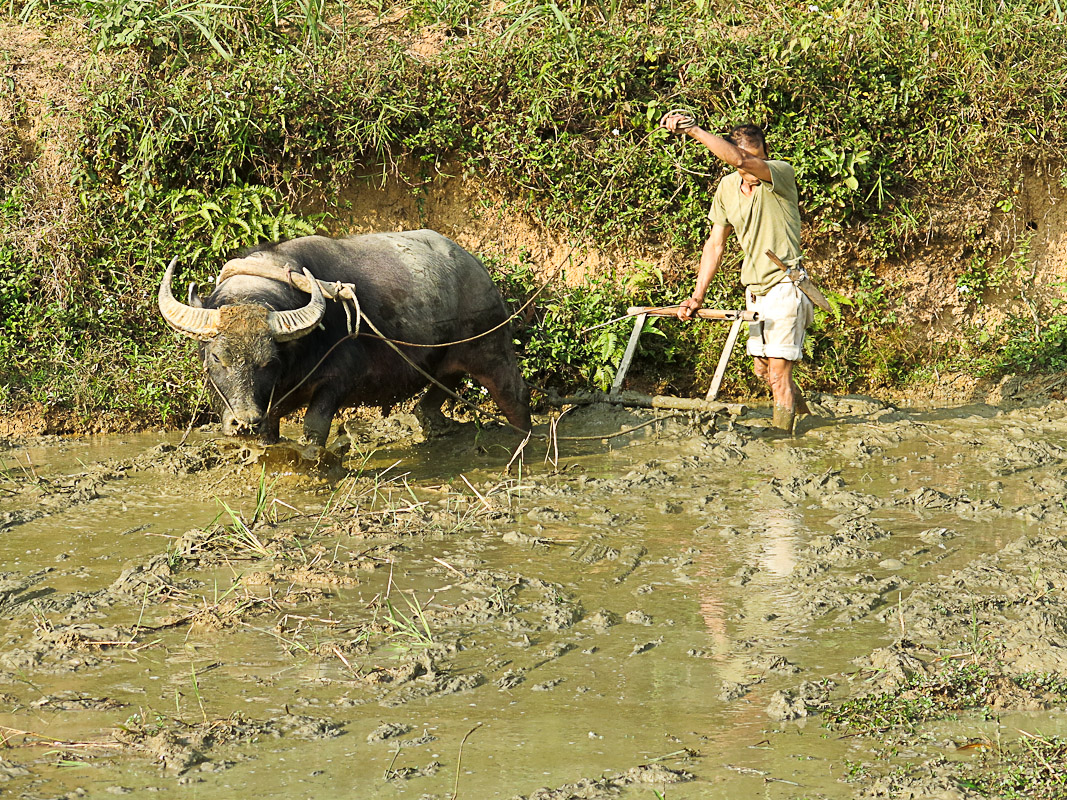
808,698
595,789
936,779
179,747
10,770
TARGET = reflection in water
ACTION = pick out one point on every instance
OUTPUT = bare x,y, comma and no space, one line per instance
741,596
714,614
780,537
775,561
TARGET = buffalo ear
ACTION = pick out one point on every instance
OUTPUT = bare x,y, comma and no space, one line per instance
194,296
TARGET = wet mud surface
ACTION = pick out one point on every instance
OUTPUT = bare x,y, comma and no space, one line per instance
699,608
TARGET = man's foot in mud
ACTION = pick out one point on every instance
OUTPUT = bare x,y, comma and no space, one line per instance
784,419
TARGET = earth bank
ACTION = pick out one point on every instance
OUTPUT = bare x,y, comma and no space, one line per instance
933,203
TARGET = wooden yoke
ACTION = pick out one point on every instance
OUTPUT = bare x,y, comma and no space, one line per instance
265,265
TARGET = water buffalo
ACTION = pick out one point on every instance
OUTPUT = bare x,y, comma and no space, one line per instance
269,350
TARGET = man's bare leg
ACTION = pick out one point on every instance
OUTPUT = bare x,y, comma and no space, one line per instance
777,373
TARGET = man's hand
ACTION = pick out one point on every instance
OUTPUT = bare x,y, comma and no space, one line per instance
687,308
677,123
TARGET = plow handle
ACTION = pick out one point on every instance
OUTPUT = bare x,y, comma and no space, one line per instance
703,313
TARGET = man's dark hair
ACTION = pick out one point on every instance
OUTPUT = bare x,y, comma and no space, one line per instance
748,134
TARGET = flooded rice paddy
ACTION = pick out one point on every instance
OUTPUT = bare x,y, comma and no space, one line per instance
696,609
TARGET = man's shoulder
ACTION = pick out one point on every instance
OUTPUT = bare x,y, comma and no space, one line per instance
783,178
777,166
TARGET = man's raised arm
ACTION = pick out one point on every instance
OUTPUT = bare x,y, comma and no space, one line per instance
733,155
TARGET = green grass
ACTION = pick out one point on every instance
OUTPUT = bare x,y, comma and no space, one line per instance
406,631
1033,766
955,687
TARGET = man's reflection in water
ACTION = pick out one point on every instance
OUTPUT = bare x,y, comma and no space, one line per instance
779,542
759,596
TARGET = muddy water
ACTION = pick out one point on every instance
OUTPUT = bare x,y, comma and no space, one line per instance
666,611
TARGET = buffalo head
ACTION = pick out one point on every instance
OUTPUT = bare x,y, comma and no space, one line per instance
239,346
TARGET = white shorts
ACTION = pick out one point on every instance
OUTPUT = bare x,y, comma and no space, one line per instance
785,313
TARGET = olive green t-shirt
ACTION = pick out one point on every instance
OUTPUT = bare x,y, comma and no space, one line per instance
767,219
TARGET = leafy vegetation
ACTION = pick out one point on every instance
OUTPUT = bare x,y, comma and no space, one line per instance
1032,767
201,127
953,687
1029,766
962,686
577,337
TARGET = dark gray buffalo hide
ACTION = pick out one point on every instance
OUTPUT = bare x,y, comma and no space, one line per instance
269,348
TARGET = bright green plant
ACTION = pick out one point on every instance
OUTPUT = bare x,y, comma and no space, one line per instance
131,23
574,336
409,630
233,217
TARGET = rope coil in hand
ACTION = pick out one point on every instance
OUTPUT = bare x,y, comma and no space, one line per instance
688,119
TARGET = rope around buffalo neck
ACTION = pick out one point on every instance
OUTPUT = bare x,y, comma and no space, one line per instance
353,333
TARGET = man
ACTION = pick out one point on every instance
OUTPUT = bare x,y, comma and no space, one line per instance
759,202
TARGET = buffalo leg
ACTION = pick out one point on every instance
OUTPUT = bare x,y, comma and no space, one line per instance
268,429
428,409
319,417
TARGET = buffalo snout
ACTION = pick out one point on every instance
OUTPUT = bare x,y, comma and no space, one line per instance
246,424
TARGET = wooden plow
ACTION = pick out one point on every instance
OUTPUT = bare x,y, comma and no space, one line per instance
641,313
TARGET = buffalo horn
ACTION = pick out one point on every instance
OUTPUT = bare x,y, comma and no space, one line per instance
286,325
197,323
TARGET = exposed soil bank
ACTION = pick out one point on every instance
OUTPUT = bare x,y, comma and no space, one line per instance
680,609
